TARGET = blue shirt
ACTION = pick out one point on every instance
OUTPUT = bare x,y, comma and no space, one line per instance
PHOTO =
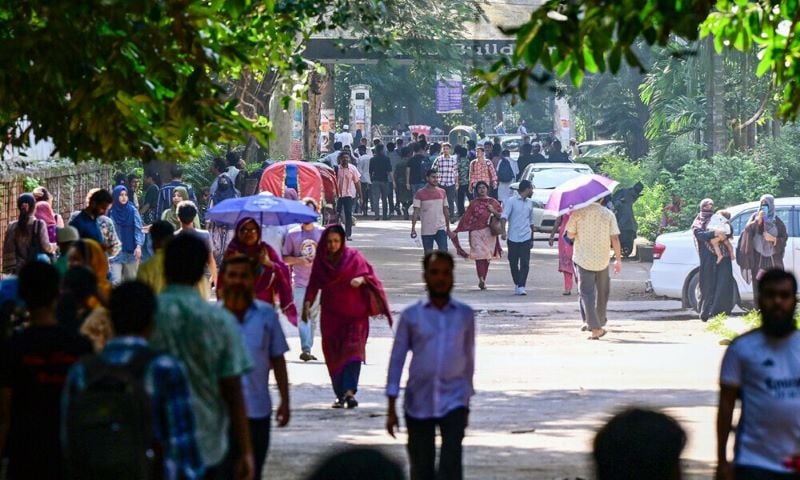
518,212
87,227
263,337
165,383
443,361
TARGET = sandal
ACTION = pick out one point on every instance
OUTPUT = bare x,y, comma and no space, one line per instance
338,403
351,402
481,284
598,337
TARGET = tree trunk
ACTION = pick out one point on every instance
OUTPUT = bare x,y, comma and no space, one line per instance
717,130
318,85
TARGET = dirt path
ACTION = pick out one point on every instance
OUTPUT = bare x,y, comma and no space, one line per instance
542,388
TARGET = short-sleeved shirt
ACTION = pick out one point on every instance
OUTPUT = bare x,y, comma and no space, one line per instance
380,167
206,339
592,227
430,202
346,179
415,173
34,363
363,167
302,243
767,373
263,336
518,212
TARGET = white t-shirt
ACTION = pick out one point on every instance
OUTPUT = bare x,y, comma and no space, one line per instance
767,373
345,137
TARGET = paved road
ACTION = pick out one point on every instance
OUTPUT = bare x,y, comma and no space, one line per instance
542,388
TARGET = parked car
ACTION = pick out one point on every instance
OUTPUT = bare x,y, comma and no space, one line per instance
601,148
674,273
545,177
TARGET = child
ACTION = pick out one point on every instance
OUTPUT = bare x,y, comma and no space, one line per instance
721,222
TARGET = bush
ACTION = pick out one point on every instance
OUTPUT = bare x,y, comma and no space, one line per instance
781,156
728,180
622,170
649,209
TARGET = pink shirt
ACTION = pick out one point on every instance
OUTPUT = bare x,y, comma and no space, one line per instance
347,179
429,203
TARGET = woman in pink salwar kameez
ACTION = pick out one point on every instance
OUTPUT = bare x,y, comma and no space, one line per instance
565,264
351,293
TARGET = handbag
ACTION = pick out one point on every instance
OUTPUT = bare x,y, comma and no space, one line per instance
495,225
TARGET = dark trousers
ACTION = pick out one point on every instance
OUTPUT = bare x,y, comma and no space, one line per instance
390,196
450,190
440,237
753,473
346,209
519,257
366,193
380,197
347,379
461,196
259,434
422,445
259,437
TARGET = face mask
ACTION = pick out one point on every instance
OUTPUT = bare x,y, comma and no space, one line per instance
765,209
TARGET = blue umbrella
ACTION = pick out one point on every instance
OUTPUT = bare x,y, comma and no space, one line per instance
265,209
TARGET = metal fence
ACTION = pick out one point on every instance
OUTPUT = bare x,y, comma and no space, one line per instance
68,184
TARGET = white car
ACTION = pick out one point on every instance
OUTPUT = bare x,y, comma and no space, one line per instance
675,267
545,177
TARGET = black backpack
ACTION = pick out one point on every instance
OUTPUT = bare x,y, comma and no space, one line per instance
109,425
504,171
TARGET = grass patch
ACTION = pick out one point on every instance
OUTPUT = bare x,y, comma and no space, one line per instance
732,327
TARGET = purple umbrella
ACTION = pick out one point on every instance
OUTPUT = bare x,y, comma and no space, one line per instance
579,192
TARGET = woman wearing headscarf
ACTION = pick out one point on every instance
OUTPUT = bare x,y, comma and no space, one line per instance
26,238
80,309
484,245
274,281
45,212
179,194
762,244
128,224
88,253
351,293
715,279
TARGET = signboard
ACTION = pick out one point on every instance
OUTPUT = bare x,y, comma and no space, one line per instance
449,96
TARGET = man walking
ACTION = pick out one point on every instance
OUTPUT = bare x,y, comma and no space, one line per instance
261,332
415,175
187,212
761,369
447,166
166,191
430,209
440,333
518,215
299,251
380,172
349,183
133,307
591,229
207,340
86,221
481,170
363,164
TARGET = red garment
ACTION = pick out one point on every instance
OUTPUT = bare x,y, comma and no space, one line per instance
271,282
476,218
345,310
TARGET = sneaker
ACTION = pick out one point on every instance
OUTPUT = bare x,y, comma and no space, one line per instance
521,291
305,356
517,290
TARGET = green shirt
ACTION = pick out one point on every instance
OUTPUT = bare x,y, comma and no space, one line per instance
206,339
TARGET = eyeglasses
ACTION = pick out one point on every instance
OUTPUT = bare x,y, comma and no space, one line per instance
249,230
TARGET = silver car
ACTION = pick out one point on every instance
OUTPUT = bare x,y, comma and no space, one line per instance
545,177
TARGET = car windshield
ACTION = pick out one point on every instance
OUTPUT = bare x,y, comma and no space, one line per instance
553,177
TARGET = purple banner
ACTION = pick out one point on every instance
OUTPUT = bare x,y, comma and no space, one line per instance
449,95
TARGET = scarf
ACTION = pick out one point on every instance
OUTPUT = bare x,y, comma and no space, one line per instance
476,218
704,215
44,212
171,214
761,245
276,280
26,204
124,217
225,189
351,264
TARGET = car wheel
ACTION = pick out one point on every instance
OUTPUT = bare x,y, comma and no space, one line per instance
693,292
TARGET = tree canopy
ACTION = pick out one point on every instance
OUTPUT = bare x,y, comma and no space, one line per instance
115,79
594,36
